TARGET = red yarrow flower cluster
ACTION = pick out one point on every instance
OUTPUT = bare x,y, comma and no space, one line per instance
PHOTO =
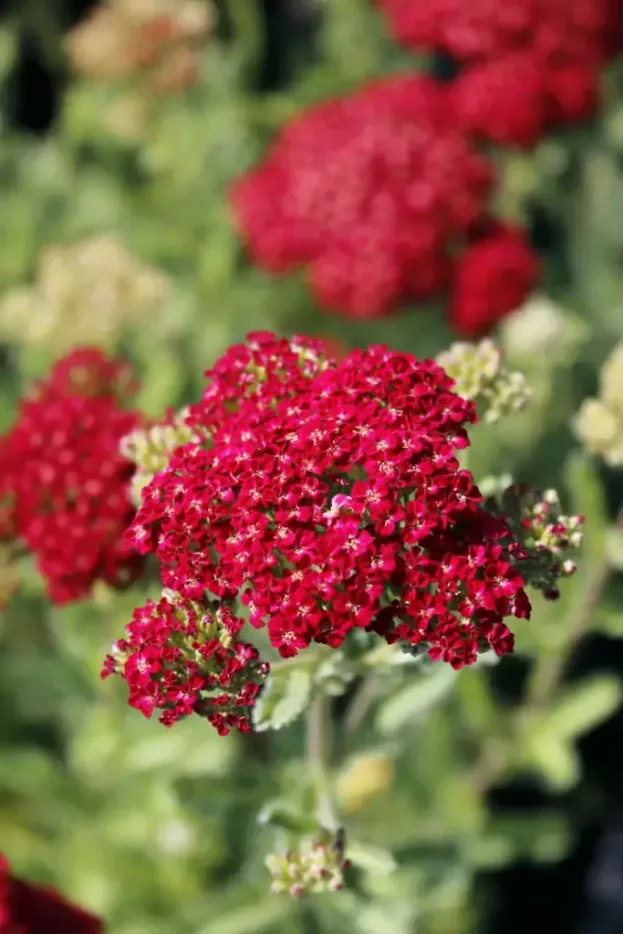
67,481
493,274
372,193
34,909
339,507
183,657
547,55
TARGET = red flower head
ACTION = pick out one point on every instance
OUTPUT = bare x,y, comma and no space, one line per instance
582,29
546,55
342,506
370,193
494,277
33,909
69,481
482,94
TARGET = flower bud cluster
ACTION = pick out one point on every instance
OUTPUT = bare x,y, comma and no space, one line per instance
546,535
317,866
84,292
480,375
599,421
158,40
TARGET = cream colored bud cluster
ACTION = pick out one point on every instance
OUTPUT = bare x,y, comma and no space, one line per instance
84,293
151,448
317,866
481,376
599,421
155,38
546,534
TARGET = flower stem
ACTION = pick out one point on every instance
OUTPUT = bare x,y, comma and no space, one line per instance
319,755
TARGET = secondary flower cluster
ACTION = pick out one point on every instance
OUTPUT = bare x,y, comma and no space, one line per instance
546,534
375,194
544,55
33,909
64,484
182,657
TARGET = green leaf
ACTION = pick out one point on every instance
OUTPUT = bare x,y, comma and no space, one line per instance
609,622
285,696
413,702
283,815
372,859
583,706
554,758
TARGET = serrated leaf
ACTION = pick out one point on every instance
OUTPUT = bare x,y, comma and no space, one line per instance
411,703
583,706
285,696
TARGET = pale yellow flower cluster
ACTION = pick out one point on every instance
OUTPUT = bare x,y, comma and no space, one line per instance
84,293
599,422
481,376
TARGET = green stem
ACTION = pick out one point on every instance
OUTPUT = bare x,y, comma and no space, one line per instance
319,756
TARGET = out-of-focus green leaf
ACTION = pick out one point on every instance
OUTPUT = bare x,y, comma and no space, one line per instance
411,703
285,816
284,697
583,706
542,838
553,758
372,859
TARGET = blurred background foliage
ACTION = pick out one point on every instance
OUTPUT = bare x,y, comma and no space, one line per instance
469,800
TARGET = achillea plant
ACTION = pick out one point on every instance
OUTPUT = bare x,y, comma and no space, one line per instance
324,503
34,909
